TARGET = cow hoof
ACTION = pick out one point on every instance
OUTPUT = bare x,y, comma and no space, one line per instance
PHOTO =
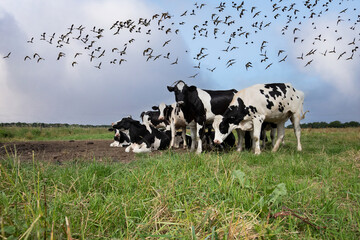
257,151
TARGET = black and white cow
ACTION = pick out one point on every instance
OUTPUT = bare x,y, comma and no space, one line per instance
152,118
250,107
266,126
173,115
200,107
121,139
143,138
209,137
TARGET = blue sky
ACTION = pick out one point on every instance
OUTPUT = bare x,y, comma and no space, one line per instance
56,91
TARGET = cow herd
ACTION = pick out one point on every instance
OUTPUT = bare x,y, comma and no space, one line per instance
212,116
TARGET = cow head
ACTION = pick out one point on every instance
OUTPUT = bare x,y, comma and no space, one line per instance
165,111
123,124
181,91
235,116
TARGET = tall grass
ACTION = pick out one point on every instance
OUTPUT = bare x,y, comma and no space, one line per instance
314,194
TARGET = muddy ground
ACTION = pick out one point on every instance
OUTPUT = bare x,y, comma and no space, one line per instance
60,151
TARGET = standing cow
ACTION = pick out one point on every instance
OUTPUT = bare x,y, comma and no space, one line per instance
250,107
200,107
175,117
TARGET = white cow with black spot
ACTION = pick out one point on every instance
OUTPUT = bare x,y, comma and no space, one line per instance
250,107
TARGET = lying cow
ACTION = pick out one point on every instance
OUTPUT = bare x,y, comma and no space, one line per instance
121,139
143,138
152,118
250,107
200,107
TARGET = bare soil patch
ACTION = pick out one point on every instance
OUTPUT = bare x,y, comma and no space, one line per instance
60,151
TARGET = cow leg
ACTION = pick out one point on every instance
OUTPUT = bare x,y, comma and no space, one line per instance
263,137
142,148
295,119
200,134
280,136
256,136
241,136
173,134
193,137
272,136
183,134
131,147
115,144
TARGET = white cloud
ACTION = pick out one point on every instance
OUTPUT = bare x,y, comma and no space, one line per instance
54,91
341,73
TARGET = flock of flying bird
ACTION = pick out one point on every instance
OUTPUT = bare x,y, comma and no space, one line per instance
224,23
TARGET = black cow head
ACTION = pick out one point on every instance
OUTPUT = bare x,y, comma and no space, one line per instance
142,115
164,111
232,118
181,91
124,123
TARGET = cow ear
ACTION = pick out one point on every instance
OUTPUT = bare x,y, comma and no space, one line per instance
142,114
171,89
111,129
192,88
155,107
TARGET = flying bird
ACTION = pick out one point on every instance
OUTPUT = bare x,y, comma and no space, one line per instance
268,66
61,54
8,55
193,76
122,60
248,65
176,62
308,63
98,66
167,42
282,60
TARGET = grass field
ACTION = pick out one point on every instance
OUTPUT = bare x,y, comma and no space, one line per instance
314,194
10,134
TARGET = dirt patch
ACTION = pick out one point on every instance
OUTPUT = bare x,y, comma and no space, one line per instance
59,151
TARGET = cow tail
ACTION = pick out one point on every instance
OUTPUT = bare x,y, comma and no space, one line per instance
303,114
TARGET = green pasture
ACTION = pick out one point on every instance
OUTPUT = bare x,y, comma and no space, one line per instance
313,194
10,134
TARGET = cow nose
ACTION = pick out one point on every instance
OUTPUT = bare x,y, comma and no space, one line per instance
161,118
216,141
